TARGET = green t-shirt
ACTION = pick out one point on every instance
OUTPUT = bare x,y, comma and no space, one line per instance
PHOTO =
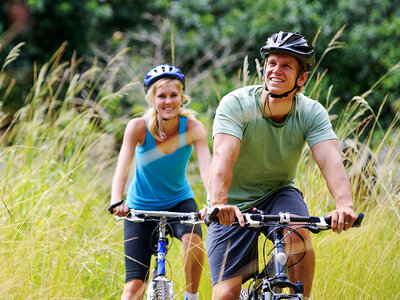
269,153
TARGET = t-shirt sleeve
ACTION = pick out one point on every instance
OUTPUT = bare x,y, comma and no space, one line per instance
321,127
229,117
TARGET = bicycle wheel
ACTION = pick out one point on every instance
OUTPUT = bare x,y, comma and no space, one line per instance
162,290
244,294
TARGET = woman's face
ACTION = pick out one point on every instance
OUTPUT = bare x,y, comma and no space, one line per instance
168,100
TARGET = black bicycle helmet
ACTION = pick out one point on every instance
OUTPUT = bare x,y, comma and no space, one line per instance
162,71
291,43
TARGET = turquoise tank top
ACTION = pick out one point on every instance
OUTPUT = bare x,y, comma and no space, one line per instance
160,180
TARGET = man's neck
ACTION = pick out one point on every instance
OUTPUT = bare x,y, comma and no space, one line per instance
276,109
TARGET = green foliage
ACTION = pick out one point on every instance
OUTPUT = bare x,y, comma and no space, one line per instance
369,50
209,40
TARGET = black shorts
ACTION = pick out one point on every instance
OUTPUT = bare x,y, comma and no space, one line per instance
140,241
233,251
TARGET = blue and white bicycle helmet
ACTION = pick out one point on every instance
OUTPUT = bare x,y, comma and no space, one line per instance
292,43
162,71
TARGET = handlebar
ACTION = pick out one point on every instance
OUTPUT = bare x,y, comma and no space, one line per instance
260,219
138,216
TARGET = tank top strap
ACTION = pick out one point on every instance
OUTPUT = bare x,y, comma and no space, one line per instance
149,141
182,131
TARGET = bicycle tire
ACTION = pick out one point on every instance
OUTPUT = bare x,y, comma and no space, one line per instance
162,290
244,294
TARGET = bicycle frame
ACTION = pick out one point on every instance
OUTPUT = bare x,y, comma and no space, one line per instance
160,272
278,279
160,287
161,248
273,278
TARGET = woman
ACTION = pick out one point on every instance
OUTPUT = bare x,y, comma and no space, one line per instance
162,141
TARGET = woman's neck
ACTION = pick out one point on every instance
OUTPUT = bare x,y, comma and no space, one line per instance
170,127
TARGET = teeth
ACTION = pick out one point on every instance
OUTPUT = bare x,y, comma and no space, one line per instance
276,80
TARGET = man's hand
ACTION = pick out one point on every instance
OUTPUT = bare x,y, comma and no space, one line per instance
203,212
342,218
226,214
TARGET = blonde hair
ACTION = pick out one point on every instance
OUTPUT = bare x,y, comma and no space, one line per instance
154,123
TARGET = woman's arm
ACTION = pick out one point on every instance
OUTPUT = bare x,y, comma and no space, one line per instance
197,136
135,134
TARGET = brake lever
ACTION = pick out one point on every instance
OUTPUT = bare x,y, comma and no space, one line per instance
314,229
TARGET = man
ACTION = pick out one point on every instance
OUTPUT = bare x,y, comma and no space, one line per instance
259,133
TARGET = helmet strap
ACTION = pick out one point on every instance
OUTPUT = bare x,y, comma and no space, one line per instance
281,95
266,102
284,94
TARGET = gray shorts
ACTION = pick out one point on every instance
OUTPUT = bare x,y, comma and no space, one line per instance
233,251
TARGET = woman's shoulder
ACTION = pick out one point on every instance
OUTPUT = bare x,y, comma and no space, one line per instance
195,130
193,123
136,128
137,123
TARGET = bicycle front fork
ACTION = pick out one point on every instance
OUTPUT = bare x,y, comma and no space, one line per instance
277,272
160,287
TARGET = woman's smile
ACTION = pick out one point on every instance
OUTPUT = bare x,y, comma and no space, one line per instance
168,100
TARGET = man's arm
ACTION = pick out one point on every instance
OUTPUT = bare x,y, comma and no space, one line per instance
225,153
329,160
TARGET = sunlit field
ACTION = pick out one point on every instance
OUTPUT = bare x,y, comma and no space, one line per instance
56,164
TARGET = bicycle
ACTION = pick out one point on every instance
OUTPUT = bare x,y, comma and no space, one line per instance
270,282
160,287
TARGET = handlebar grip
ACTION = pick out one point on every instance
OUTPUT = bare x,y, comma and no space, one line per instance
110,209
212,218
358,221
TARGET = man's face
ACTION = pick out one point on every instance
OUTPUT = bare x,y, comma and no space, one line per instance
281,72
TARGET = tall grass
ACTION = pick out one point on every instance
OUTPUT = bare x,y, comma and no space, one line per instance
56,240
56,165
361,263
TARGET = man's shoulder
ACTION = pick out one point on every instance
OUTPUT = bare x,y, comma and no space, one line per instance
308,104
304,99
246,91
243,96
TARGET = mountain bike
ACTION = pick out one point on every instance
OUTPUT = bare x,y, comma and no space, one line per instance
270,282
160,287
